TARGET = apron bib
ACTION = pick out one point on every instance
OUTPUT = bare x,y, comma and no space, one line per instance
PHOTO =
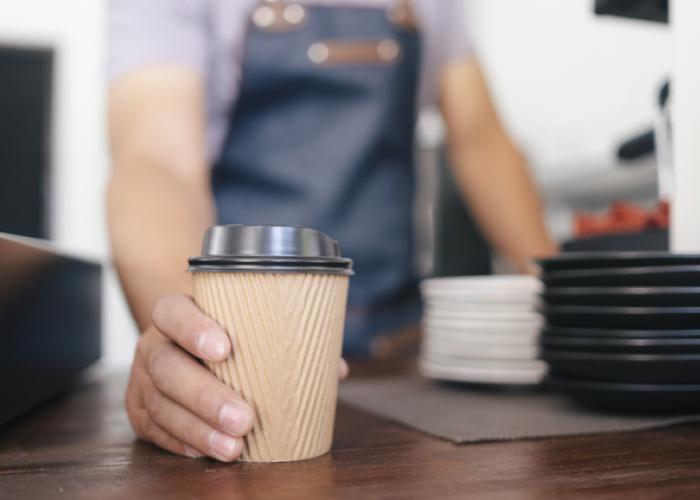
321,135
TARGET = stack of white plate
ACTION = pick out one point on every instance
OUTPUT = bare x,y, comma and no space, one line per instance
482,329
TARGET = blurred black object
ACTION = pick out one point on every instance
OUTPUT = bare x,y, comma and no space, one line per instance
631,398
460,247
632,358
647,10
653,240
636,147
50,315
25,110
644,143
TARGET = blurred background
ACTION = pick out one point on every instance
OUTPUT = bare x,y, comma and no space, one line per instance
570,85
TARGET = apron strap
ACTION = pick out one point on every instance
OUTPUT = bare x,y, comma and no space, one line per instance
283,15
403,14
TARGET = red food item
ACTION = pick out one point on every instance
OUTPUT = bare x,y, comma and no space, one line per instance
589,225
622,217
660,217
627,213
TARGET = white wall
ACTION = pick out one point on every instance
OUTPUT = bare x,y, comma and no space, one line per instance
568,83
75,28
571,86
685,215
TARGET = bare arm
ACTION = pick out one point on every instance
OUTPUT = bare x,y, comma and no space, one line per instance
160,202
159,206
491,172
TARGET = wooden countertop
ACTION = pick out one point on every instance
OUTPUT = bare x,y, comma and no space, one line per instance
81,446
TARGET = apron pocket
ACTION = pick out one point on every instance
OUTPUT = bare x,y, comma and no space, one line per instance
354,52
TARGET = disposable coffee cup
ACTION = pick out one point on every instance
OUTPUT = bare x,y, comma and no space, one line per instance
280,292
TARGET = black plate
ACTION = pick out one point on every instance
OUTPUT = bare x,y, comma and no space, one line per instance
600,260
678,276
604,333
623,296
631,398
621,346
625,368
663,318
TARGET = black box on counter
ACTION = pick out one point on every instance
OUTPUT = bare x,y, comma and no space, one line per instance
50,322
647,241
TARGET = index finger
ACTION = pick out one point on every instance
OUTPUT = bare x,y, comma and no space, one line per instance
179,318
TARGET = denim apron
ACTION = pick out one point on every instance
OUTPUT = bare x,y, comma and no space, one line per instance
321,135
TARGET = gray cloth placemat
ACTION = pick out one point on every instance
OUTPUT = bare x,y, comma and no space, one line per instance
466,414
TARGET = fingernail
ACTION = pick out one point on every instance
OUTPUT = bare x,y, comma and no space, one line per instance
225,447
192,453
343,370
211,346
234,418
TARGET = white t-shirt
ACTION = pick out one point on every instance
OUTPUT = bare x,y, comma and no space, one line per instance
208,36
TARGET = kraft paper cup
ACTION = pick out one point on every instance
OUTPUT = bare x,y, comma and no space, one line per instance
286,330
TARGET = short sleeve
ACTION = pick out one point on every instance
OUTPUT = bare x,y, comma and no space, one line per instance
446,38
454,40
152,32
460,42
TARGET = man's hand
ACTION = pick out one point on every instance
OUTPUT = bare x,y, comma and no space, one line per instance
174,401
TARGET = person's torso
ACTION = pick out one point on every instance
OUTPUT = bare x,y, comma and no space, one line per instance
228,22
321,136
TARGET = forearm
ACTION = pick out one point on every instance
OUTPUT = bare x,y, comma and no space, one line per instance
159,198
491,173
156,222
494,179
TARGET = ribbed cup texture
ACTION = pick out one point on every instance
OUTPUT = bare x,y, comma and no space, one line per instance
286,331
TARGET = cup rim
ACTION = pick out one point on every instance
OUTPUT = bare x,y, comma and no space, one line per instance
327,265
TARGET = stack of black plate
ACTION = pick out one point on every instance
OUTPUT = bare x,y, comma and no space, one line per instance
622,330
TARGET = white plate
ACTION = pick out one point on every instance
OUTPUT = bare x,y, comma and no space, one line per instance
490,364
495,327
478,283
461,351
481,295
484,316
520,338
461,338
484,375
469,307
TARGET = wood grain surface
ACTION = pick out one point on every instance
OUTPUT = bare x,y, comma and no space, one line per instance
81,446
